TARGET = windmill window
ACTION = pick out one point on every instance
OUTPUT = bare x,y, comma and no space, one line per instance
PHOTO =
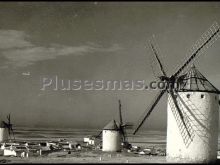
188,96
202,96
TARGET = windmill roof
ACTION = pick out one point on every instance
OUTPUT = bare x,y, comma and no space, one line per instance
193,80
2,125
112,125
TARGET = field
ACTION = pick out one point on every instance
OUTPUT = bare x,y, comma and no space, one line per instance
144,139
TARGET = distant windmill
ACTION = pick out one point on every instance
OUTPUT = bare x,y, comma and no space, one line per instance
114,136
111,137
192,130
8,125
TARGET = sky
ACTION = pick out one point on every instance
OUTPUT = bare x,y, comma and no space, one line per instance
95,41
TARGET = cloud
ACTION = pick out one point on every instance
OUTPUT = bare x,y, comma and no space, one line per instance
19,52
13,39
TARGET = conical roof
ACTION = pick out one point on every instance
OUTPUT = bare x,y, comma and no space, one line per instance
112,125
193,80
2,125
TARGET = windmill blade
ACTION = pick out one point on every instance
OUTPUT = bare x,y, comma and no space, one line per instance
203,43
178,109
155,59
183,124
120,114
128,125
149,110
158,60
9,131
12,130
122,132
98,134
4,123
9,125
9,117
125,135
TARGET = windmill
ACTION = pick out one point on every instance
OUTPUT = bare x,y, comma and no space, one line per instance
114,133
183,139
8,126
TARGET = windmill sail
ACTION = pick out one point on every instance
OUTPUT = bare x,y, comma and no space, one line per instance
196,117
120,113
207,39
155,59
122,126
148,111
182,120
158,60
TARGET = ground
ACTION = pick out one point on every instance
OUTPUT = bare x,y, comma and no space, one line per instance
87,157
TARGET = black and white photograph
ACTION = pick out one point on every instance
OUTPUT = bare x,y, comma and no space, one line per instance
109,82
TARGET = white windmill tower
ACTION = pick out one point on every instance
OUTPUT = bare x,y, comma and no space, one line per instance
111,137
192,109
6,129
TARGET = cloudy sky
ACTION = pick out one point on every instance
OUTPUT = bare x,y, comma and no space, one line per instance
94,41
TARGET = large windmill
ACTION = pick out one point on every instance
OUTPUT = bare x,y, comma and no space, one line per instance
192,109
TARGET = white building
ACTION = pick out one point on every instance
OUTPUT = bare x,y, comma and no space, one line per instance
9,152
91,140
198,100
111,137
86,139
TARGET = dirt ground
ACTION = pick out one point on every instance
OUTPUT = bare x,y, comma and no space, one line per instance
89,157
86,157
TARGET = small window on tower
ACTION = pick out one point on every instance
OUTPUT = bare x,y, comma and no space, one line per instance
202,96
188,96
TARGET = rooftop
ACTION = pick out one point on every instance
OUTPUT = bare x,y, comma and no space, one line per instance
112,125
193,80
